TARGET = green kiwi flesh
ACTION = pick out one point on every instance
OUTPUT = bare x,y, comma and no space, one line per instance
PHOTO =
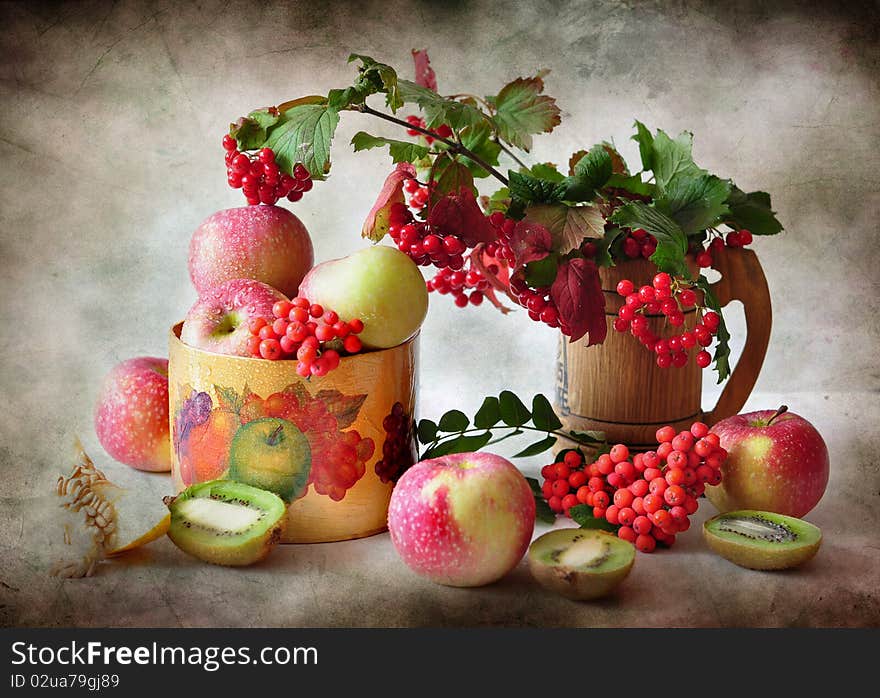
580,564
762,540
225,522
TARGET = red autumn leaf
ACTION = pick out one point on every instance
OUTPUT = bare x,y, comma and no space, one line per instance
376,225
460,215
577,293
424,72
530,242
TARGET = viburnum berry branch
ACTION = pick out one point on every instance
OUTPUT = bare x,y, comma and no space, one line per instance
454,147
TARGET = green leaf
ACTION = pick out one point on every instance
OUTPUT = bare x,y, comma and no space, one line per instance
381,76
478,139
542,272
671,240
568,225
250,132
544,170
449,176
537,447
488,414
543,512
498,201
603,254
531,190
588,437
646,145
595,167
513,412
427,431
304,136
400,151
672,158
633,184
515,432
439,110
454,420
460,444
752,211
694,203
582,515
543,416
722,337
521,111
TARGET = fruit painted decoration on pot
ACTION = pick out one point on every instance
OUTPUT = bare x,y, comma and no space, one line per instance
131,414
285,443
777,462
462,520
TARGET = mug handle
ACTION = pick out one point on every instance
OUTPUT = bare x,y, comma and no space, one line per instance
742,279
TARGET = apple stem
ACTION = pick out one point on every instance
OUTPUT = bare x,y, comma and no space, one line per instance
782,410
275,436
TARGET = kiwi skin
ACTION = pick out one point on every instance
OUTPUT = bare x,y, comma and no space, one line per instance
766,556
574,584
250,551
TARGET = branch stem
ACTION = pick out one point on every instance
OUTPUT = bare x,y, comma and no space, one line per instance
454,147
509,153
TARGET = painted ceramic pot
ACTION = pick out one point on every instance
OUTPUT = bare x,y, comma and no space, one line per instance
358,420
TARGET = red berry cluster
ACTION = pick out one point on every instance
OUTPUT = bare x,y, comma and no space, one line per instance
417,194
457,283
398,449
735,238
536,301
259,177
443,130
306,331
669,297
424,245
649,496
639,243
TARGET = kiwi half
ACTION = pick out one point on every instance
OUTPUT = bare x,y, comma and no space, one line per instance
761,540
580,564
225,522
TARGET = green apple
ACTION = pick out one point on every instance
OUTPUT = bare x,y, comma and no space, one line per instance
271,454
380,285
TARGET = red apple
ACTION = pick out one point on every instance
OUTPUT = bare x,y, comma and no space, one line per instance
131,414
462,520
218,321
264,243
777,462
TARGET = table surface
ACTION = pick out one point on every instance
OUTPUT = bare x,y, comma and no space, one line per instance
364,583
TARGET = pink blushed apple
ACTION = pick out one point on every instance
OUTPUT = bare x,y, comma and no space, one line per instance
777,462
462,520
264,243
131,414
218,321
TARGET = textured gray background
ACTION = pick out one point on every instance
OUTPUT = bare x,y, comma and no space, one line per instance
111,115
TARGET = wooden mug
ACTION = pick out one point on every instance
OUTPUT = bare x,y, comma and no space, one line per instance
617,387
